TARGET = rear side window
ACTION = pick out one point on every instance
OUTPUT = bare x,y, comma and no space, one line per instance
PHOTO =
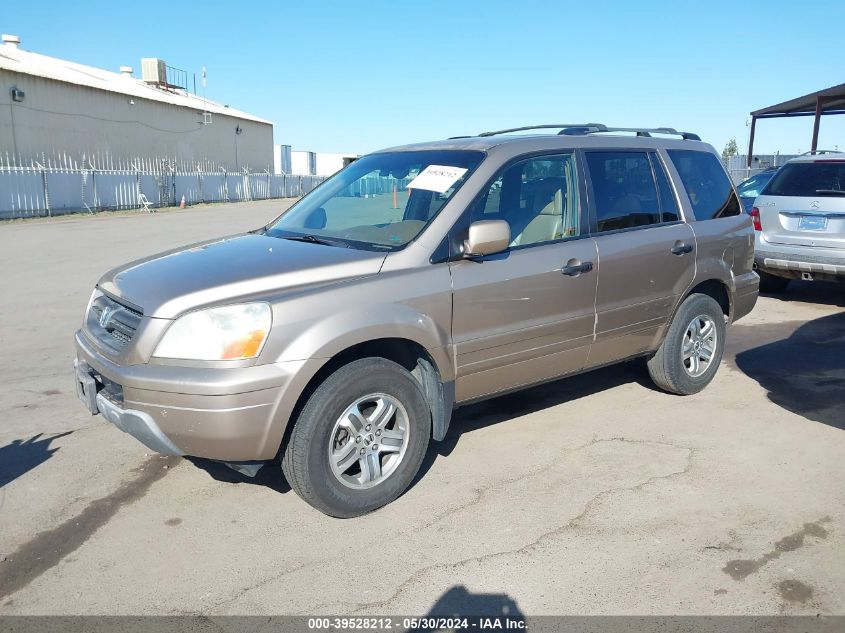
624,192
707,184
821,178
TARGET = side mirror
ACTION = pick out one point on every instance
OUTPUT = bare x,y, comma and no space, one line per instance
487,237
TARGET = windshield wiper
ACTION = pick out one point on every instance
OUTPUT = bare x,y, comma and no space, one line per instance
834,191
313,239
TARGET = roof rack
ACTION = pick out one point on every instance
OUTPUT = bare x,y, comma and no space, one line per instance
593,128
821,151
543,127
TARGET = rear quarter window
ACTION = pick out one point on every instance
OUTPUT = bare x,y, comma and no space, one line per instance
708,187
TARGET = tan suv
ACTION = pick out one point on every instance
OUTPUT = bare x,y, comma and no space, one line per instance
341,336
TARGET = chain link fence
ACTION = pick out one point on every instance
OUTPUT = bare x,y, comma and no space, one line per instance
60,185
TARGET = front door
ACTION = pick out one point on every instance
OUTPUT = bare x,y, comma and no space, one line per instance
526,315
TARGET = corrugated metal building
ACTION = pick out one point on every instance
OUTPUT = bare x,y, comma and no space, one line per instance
52,106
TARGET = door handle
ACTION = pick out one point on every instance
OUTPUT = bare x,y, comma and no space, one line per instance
573,270
681,248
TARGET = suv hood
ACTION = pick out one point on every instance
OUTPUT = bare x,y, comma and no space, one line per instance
241,267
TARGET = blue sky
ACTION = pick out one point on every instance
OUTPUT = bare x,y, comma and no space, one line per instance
356,76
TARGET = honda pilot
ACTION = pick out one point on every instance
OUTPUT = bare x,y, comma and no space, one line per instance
340,337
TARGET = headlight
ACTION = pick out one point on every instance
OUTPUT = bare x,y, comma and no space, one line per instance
225,333
94,295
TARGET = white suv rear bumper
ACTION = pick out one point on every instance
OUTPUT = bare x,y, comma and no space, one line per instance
795,260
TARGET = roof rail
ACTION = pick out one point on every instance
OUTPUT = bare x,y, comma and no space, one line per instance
821,151
639,131
576,129
543,127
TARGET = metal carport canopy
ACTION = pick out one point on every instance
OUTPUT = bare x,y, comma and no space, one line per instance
827,101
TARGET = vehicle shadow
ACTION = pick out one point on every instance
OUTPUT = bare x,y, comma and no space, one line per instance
270,475
457,601
20,456
488,412
466,420
804,370
820,292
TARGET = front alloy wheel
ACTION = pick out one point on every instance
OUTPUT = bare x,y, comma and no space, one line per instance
360,439
369,441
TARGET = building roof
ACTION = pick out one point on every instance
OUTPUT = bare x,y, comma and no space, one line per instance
21,61
832,102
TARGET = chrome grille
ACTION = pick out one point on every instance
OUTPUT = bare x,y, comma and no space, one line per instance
113,323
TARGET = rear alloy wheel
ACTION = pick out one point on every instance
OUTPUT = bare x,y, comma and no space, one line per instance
772,283
690,354
700,341
359,440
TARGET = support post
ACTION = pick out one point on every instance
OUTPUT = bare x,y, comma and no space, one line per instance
814,145
46,192
138,190
751,141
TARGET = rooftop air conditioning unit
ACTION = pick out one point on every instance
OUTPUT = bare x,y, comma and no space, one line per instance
154,71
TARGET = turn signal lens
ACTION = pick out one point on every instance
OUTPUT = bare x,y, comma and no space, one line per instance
246,347
755,218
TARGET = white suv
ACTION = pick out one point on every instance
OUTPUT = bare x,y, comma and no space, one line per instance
799,222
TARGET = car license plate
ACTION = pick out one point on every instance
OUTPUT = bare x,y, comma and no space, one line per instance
812,223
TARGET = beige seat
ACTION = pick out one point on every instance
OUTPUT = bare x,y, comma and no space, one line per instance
547,209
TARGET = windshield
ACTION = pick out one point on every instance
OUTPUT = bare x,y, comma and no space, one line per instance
819,178
380,202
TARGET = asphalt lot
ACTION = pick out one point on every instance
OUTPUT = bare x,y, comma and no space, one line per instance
592,495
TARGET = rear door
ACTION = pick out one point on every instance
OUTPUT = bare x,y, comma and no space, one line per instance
646,253
804,204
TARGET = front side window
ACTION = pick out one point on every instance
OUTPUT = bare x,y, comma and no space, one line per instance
707,184
537,197
624,192
819,178
380,202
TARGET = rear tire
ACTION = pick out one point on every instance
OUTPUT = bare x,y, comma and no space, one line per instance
689,356
360,439
772,283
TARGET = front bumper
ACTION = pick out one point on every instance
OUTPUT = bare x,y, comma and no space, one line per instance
230,414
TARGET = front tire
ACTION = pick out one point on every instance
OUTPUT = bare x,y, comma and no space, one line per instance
360,439
689,356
